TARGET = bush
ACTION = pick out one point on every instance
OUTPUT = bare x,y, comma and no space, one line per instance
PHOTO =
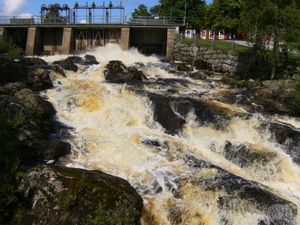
8,47
296,99
11,153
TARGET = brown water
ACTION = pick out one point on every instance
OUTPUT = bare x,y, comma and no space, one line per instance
111,124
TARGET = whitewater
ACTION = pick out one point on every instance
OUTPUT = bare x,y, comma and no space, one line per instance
190,177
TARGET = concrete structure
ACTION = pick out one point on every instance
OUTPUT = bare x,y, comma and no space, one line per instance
66,39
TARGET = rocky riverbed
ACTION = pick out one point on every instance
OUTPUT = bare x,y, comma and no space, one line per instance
120,138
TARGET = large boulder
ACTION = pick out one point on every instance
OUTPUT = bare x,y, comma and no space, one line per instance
117,72
90,60
39,79
33,103
11,71
69,196
69,63
54,149
33,61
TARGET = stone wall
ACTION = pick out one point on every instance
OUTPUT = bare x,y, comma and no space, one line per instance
205,58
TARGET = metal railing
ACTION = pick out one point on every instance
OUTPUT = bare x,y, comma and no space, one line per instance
144,21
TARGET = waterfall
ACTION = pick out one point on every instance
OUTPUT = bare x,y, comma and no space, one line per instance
223,166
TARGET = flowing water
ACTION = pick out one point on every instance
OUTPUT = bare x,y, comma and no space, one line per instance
230,173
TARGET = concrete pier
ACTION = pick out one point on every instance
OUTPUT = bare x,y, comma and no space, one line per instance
171,33
125,35
33,43
67,41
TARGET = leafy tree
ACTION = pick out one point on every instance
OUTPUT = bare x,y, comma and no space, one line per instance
273,24
224,14
141,10
193,9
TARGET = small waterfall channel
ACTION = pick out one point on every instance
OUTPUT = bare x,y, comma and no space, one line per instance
194,158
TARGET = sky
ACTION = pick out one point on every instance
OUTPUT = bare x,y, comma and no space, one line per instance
32,7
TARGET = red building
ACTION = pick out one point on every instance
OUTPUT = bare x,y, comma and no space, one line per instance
221,35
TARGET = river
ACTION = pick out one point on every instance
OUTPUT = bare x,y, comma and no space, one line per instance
223,166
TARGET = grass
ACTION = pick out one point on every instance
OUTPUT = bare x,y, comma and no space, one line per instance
224,46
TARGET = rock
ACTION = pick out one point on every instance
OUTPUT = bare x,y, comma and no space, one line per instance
184,67
33,103
117,72
165,115
199,75
33,61
69,63
243,155
11,71
202,65
235,191
11,88
287,136
90,60
57,69
68,196
54,149
39,79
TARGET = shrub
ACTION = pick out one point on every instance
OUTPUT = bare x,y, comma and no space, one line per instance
8,47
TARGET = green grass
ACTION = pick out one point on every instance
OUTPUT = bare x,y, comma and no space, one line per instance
224,46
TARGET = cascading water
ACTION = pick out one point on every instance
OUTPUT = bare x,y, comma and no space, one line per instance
224,169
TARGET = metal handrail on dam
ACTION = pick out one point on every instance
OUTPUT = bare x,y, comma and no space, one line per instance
93,20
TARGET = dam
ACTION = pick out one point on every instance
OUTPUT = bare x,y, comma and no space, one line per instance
96,26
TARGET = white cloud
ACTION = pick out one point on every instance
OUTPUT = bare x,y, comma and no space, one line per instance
25,15
12,7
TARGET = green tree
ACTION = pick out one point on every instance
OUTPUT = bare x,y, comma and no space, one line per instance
274,27
141,10
193,9
224,14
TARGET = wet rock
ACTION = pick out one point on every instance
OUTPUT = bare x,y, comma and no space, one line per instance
33,61
11,71
184,67
236,189
199,75
243,155
90,60
39,79
288,137
54,149
58,69
33,103
117,72
58,195
69,63
165,114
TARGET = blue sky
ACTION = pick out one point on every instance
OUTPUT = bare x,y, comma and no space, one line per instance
17,7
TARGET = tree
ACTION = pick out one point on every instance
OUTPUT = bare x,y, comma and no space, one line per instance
141,10
193,9
273,24
224,15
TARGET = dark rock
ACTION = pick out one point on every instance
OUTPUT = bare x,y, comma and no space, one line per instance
33,61
58,69
199,75
11,88
11,71
39,79
54,149
69,196
202,65
117,72
33,103
184,67
244,156
90,60
69,63
276,209
288,137
165,115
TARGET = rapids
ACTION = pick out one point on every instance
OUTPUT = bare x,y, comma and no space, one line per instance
228,170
